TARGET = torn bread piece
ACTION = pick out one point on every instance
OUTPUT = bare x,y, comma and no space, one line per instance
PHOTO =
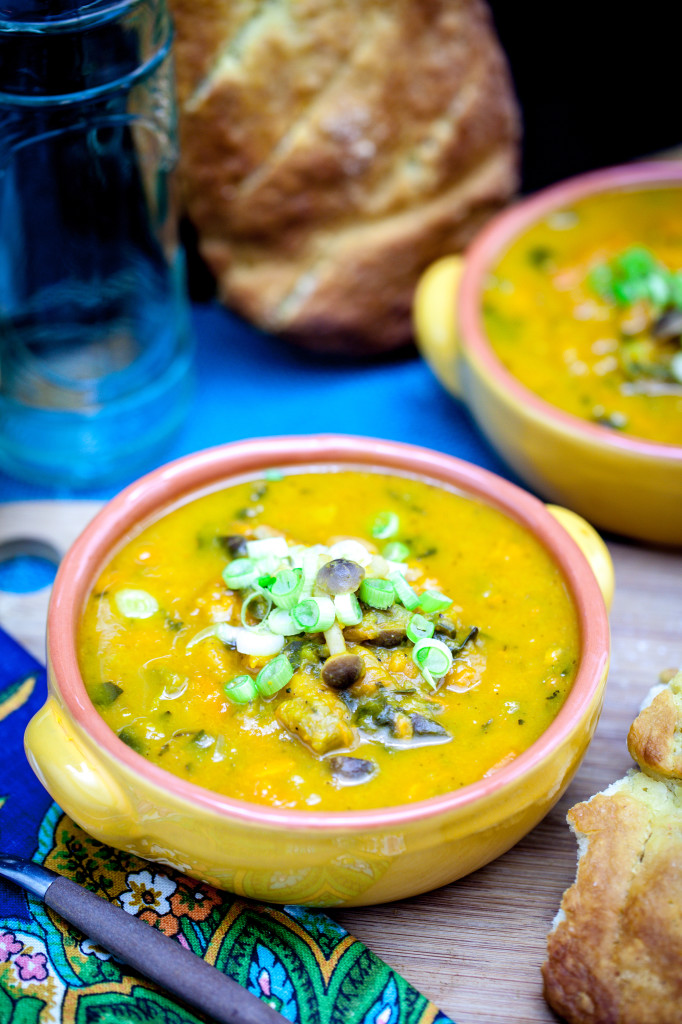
655,737
615,953
331,149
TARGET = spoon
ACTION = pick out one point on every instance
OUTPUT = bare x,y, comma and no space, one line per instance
149,951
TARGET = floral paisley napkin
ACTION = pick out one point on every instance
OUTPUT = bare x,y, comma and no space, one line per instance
299,960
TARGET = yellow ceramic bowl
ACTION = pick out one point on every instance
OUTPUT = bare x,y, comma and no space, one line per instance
304,857
619,482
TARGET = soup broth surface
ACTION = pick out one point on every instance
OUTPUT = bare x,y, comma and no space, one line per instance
164,693
594,358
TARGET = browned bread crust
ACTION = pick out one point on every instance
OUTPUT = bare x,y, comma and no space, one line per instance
615,954
330,149
655,737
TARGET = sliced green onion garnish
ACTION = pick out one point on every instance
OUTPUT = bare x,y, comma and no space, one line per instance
379,567
635,275
404,592
310,564
241,689
273,676
282,622
434,601
335,640
264,582
287,587
353,550
275,546
256,595
432,658
240,573
315,614
396,551
419,628
658,288
600,279
135,604
636,262
348,610
377,593
220,630
385,525
267,565
261,645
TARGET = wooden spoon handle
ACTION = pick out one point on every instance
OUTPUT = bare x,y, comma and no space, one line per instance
159,958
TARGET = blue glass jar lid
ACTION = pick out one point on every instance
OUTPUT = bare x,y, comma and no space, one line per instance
50,15
62,51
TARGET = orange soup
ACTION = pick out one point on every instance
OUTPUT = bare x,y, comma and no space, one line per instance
585,309
330,640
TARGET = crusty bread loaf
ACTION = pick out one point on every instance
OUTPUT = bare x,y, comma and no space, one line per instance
615,954
655,737
330,149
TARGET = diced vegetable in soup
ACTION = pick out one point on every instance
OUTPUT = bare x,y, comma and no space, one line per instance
330,640
585,309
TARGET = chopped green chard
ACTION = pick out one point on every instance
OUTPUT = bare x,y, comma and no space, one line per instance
394,717
540,256
105,693
132,739
203,740
304,654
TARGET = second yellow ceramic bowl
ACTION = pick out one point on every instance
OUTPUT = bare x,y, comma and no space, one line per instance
619,482
308,857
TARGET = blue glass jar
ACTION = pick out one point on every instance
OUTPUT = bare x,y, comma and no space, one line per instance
95,350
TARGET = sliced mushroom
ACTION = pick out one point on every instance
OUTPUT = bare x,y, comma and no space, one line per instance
340,576
342,670
349,771
234,545
668,326
423,726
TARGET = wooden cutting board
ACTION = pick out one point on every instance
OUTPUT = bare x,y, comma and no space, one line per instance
474,947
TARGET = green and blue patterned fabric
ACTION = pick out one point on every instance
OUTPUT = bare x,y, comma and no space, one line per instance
300,961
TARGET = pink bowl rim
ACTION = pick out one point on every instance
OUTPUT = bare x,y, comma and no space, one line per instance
489,245
150,496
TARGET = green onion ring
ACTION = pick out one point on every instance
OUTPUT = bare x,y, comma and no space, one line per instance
377,593
404,592
240,573
434,601
385,525
241,689
432,658
273,676
315,614
396,551
419,628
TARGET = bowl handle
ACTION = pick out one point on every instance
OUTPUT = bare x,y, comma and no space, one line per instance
435,319
75,777
591,545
